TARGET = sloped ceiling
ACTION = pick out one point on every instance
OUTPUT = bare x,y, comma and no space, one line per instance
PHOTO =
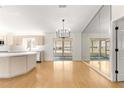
45,18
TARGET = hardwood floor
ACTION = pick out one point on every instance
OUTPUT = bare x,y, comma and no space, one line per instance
60,74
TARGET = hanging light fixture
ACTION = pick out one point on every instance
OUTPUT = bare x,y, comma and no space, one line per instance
64,32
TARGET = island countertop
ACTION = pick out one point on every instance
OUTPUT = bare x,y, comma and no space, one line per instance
16,63
10,54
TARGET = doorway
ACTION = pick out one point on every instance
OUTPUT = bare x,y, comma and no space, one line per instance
62,49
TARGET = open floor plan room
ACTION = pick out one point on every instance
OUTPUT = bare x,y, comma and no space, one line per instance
61,46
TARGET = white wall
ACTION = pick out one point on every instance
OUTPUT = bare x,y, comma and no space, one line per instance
76,46
117,12
49,46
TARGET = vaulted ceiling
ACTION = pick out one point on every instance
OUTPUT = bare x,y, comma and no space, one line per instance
45,18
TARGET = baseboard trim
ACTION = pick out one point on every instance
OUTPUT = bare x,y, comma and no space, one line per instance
77,60
60,60
48,61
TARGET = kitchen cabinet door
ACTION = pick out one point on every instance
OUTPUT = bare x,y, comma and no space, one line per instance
31,62
17,65
18,40
4,67
39,40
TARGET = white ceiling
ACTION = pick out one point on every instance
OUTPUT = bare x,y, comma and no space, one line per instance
46,18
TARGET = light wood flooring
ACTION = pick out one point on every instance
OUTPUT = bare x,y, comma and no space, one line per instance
60,74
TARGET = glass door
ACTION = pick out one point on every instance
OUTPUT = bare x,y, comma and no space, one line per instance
67,47
62,49
58,47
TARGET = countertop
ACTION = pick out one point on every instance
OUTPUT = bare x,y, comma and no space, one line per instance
10,54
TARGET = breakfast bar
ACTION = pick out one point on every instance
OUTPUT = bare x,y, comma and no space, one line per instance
18,63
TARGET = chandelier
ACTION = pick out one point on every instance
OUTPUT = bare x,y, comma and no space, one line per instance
63,32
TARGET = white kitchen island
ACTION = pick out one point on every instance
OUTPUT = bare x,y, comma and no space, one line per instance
18,63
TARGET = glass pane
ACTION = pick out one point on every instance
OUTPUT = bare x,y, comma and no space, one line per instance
94,49
58,47
107,49
102,50
62,49
91,47
67,47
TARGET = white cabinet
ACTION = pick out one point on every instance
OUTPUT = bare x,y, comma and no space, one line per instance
14,64
31,63
18,65
4,67
9,39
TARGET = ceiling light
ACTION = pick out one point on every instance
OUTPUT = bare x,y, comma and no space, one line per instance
63,32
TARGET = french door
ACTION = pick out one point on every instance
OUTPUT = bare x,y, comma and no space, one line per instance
62,48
